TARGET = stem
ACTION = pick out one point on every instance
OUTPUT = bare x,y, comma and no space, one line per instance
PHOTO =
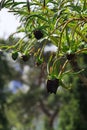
63,67
44,108
82,50
80,34
43,48
44,3
53,117
28,5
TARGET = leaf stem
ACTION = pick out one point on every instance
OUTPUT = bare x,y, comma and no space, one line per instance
62,69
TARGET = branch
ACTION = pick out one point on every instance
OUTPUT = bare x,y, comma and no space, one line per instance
44,108
53,117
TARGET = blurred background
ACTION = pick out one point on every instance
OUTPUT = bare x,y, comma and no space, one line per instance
24,101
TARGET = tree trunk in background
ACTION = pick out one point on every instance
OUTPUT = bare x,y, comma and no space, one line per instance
82,91
3,119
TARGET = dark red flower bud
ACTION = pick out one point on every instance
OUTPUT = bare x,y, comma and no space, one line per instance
25,57
70,56
38,34
52,85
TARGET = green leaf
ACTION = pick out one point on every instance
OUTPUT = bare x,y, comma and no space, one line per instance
67,36
54,40
75,8
85,5
17,3
38,16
